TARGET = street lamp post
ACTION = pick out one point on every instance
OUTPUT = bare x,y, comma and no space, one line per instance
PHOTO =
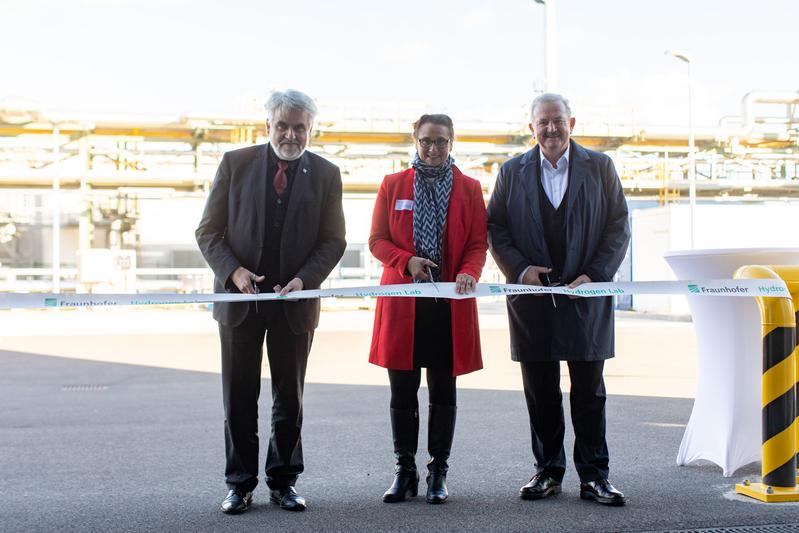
550,46
691,144
56,209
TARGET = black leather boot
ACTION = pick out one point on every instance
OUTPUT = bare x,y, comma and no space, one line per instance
440,431
405,429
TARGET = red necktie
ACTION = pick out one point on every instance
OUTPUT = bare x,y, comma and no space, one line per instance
280,182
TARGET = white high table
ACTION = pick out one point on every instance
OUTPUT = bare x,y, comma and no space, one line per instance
725,425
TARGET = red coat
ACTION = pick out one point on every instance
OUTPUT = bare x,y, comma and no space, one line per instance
464,251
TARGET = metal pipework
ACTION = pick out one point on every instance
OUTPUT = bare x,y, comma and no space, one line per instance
748,118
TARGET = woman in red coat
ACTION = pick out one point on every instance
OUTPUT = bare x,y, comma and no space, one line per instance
429,224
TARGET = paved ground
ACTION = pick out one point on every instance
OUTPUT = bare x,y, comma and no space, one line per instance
103,445
654,358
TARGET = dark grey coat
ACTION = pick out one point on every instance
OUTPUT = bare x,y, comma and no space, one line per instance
597,236
231,231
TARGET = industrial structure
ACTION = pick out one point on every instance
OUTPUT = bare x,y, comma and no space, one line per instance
121,194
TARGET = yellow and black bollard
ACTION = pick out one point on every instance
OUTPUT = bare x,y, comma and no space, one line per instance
790,275
779,396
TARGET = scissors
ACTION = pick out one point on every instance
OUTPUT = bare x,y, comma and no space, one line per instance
549,284
257,290
433,283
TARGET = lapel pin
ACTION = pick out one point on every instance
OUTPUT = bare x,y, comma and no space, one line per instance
304,170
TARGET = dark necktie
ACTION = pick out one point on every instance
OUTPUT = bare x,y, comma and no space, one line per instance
280,182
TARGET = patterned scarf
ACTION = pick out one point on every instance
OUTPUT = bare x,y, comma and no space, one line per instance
430,204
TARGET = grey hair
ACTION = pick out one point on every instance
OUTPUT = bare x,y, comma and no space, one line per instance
288,100
547,98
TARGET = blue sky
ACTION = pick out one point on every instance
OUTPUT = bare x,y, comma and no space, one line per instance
466,57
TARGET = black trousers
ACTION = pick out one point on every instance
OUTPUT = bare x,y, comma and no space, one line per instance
545,407
432,348
405,387
242,354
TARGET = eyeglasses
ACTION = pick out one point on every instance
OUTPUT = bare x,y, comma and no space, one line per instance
557,122
440,142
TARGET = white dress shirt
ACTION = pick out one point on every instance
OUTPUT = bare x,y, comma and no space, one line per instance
555,180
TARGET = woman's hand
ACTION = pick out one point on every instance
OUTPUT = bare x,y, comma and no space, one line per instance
417,268
464,283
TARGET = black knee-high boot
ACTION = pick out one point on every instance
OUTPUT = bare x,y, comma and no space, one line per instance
440,431
405,429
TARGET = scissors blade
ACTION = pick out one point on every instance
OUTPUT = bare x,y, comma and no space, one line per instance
551,295
257,290
430,275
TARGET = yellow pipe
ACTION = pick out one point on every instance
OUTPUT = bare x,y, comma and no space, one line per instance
776,379
790,275
776,448
779,380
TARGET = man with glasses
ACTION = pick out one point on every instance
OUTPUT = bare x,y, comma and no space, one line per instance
557,216
273,222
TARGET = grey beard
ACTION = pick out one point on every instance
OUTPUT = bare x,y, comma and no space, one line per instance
283,156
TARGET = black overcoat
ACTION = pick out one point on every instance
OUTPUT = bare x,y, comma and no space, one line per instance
597,236
231,231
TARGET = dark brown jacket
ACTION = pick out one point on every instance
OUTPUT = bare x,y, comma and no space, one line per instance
231,231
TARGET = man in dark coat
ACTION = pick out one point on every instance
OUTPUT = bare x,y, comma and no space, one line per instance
558,215
273,221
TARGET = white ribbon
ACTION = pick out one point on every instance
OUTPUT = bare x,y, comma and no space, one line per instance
717,287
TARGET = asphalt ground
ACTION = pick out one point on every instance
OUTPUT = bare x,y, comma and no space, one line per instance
92,445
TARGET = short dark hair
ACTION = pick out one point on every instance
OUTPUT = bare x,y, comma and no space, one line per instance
440,119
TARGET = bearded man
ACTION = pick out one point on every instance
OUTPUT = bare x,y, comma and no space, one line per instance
273,222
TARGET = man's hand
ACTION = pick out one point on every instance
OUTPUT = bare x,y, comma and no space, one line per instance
417,268
464,283
244,280
293,285
531,275
582,278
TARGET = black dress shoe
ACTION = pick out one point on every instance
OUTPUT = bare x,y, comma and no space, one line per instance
236,501
541,486
602,492
288,499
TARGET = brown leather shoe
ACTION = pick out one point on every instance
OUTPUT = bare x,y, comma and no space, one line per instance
540,486
602,492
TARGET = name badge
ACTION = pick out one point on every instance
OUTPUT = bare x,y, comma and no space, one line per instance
403,205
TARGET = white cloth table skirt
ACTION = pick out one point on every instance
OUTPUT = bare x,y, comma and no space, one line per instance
725,424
